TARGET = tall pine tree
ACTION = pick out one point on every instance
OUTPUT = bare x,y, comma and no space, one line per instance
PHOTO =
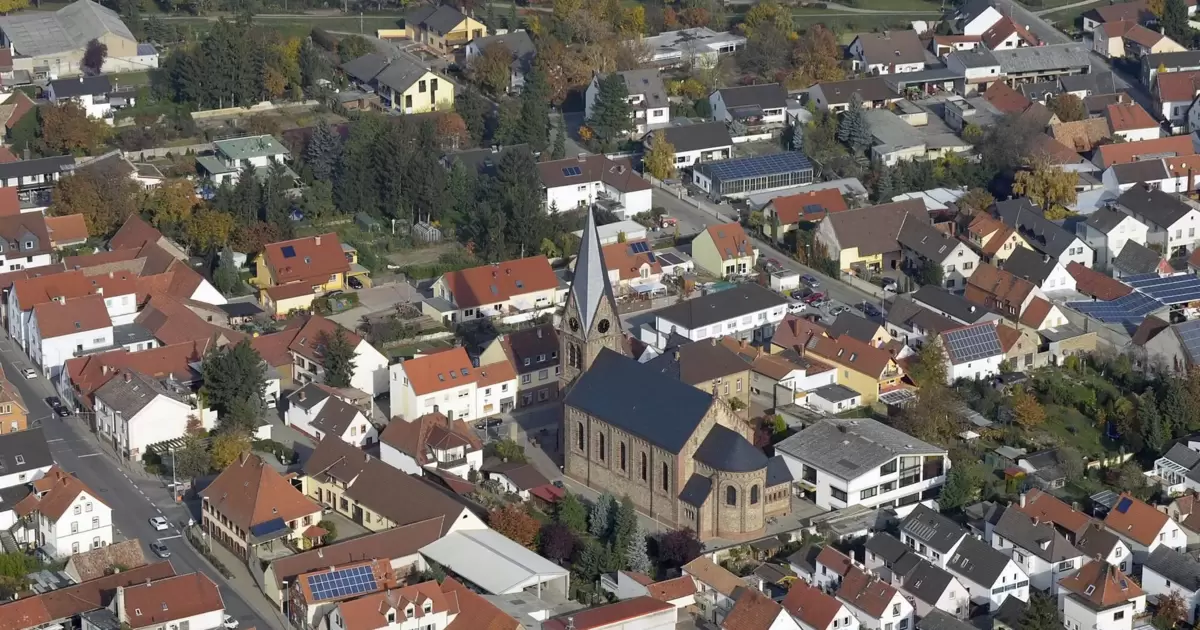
853,129
560,143
612,115
322,151
534,126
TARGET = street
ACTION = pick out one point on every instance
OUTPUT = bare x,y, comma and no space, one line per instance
133,496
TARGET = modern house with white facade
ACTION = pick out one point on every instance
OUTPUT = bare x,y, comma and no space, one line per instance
134,412
841,462
876,604
587,179
1038,548
931,535
700,142
525,286
93,94
183,601
1107,230
646,95
1171,220
1100,596
25,242
973,352
1169,571
61,330
1143,527
990,575
889,52
748,311
318,411
816,610
231,157
697,47
448,383
928,586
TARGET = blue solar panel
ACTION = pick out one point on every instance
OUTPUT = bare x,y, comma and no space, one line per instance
1175,289
972,343
269,527
640,247
1189,335
289,251
1139,277
571,171
1124,505
342,583
758,166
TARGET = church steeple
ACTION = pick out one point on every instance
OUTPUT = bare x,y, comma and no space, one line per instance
590,320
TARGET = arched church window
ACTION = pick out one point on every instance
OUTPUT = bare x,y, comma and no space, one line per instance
643,468
666,478
602,445
731,495
580,435
754,494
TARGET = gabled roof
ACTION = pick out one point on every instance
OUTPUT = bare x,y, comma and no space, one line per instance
1081,136
730,241
1178,568
1004,28
1155,207
370,612
848,352
66,30
955,306
1100,585
696,137
1177,86
808,206
766,96
54,494
304,259
932,528
978,562
392,544
990,285
1095,284
1030,265
866,592
927,241
1125,152
99,562
891,48
171,599
577,171
500,282
1039,538
129,393
1047,507
250,492
609,615
313,335
433,431
69,317
873,230
1136,258
744,299
1129,118
870,88
1135,12
440,18
1136,519
65,603
908,315
1041,233
1006,99
66,230
699,362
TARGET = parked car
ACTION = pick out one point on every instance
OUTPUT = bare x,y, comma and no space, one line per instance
838,310
868,309
800,294
29,373
159,523
796,307
57,406
810,280
888,284
229,622
160,550
488,423
813,298
354,282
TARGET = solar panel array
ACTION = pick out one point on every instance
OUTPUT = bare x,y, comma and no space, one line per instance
759,166
640,247
572,171
1124,505
973,343
897,396
1130,308
342,583
1189,335
1176,289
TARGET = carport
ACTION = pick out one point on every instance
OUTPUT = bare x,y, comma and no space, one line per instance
496,564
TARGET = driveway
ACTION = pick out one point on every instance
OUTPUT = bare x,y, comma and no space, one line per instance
374,300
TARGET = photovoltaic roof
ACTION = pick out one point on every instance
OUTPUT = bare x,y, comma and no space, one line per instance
1189,335
342,583
1176,289
1128,310
757,166
972,343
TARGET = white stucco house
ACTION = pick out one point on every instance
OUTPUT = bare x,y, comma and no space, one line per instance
1037,547
1107,230
587,179
1168,571
1100,596
750,104
231,157
646,95
990,575
922,244
61,330
135,411
319,411
973,352
1171,220
62,516
183,601
876,604
1143,528
370,373
448,383
93,94
431,441
977,16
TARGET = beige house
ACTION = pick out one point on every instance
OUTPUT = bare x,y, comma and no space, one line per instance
53,43
1128,38
724,250
251,505
442,27
994,240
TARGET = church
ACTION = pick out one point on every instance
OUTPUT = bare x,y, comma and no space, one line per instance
681,454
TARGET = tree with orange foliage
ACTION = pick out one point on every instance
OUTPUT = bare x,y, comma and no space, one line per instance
515,524
66,128
171,204
452,131
695,17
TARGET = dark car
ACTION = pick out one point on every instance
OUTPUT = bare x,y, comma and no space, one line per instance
489,423
810,280
354,282
869,309
57,406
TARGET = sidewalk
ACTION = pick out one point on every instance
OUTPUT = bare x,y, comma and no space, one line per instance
242,581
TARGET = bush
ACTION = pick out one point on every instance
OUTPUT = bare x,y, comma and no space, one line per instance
330,527
153,463
284,453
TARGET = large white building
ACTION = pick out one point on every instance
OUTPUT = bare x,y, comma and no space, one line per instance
447,383
973,352
1100,597
134,411
1038,548
749,312
1107,231
1171,220
63,516
61,330
840,463
697,47
587,179
370,372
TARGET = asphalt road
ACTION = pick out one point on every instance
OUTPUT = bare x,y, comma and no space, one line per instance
134,498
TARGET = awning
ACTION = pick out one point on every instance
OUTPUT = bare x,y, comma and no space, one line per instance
649,287
357,270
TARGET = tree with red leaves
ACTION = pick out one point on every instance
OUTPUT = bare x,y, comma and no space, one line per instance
557,542
515,524
679,547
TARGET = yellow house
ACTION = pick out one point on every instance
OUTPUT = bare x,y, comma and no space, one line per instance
724,251
403,83
442,28
994,240
867,370
290,274
865,238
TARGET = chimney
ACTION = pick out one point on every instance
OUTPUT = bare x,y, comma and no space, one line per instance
539,333
1022,499
104,370
582,157
120,604
303,394
570,623
128,377
317,239
110,274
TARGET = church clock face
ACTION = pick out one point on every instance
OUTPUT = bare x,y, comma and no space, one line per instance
602,326
574,323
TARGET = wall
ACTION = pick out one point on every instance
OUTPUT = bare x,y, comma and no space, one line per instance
161,420
1154,584
868,481
58,535
370,370
51,354
157,152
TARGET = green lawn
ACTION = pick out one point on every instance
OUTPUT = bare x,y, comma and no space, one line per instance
302,25
1069,426
1069,18
131,78
851,24
896,5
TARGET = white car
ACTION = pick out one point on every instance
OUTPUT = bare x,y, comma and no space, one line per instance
796,307
29,373
159,523
230,622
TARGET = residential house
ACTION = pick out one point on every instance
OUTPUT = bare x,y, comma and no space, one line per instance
1082,136
1162,344
931,535
374,494
518,43
750,105
700,142
67,604
525,285
35,177
63,516
93,564
370,371
951,306
972,352
317,410
1171,220
977,16
646,94
445,606
922,244
1184,510
724,251
182,601
59,330
291,274
1127,152
1039,63
1168,572
1015,298
865,238
95,95
710,366
1130,39
1107,231
928,587
639,612
1043,553
1183,61
994,240
404,83
442,28
1173,95
431,441
1136,260
835,96
230,158
1100,596
14,413
876,604
784,214
1006,34
1046,274
1143,528
447,382
1174,471
865,330
25,241
588,179
989,575
1132,122
66,231
250,504
691,46
912,324
533,352
309,604
748,311
862,367
517,478
1135,12
1119,178
1098,542
633,268
869,471
772,374
889,52
717,589
1042,234
822,566
816,610
134,412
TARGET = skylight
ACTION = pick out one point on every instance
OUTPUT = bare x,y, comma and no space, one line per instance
289,251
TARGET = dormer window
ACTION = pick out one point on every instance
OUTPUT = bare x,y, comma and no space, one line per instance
428,607
391,616
28,244
408,611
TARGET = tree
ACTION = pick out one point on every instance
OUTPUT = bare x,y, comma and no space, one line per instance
767,50
636,557
170,204
853,130
972,133
102,194
233,373
1068,107
474,110
227,446
330,528
322,152
192,459
625,524
1151,424
208,229
1174,21
66,128
534,126
516,524
1040,614
1157,7
976,200
93,57
352,47
961,489
1027,411
1047,186
339,358
493,69
557,542
934,414
1172,610
8,6
560,143
612,115
1070,461
1130,478
226,278
929,273
765,13
678,547
506,450
590,561
571,512
659,160
601,516
817,57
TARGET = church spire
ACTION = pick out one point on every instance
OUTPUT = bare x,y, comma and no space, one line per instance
590,283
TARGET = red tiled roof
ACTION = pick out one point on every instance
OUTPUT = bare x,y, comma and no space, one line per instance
311,258
1139,522
71,316
438,371
249,492
730,241
7,156
791,208
475,612
10,205
64,230
1006,99
1036,312
310,340
493,284
24,105
811,606
38,290
668,590
608,615
1128,117
1125,152
1004,28
134,234
64,603
991,286
172,599
1098,285
753,611
417,438
54,494
1048,507
1177,86
622,258
866,592
1102,585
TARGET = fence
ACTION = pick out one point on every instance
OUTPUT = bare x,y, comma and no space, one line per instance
265,106
157,152
863,285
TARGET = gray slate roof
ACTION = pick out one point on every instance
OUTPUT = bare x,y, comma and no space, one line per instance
81,86
131,397
1182,455
835,393
441,18
397,73
933,529
1042,234
517,42
1096,540
651,405
892,47
908,315
946,302
647,83
926,581
699,137
778,471
1179,568
1141,171
68,29
1105,220
716,307
1158,207
927,241
887,547
1031,265
30,445
1041,540
848,448
590,283
941,620
695,492
312,393
1094,83
976,561
1042,58
855,325
806,557
335,417
1136,258
726,450
767,96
